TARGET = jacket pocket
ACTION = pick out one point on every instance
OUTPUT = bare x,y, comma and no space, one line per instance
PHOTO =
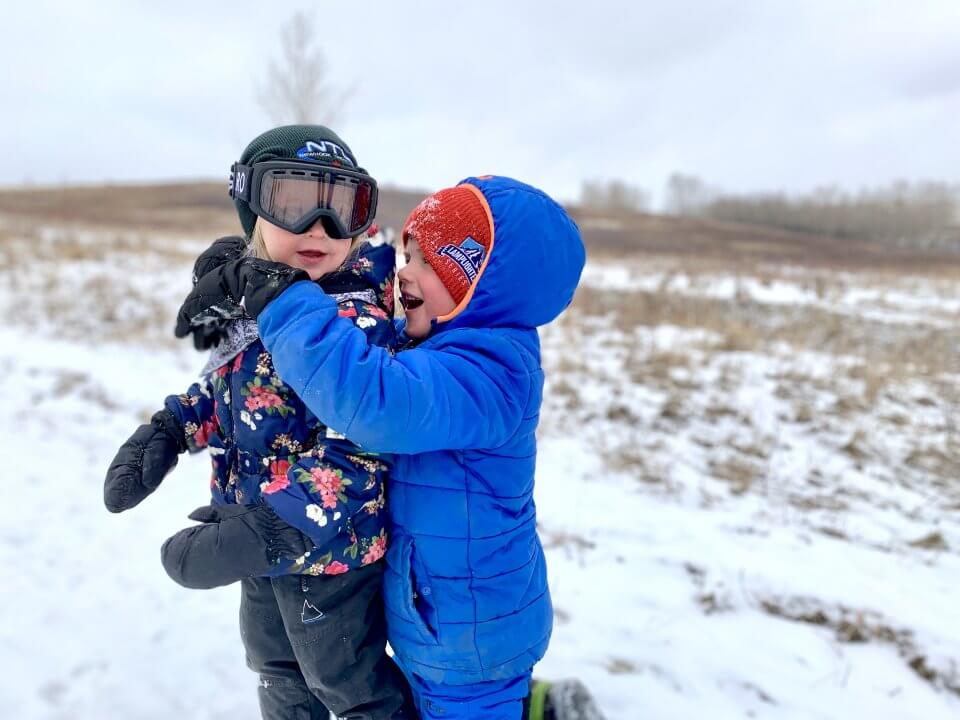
414,594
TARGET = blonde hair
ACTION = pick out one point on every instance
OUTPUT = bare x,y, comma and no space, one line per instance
258,246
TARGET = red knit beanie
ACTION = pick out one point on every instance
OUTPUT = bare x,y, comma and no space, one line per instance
453,230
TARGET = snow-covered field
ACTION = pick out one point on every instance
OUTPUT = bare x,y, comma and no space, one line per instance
748,488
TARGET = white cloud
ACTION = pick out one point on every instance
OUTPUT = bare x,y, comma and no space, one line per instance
748,94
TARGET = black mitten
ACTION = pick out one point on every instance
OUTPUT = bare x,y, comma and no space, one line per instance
222,250
143,461
226,291
231,543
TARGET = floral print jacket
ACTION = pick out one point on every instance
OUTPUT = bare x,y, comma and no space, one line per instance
267,447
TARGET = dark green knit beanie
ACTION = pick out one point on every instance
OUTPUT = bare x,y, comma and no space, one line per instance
293,142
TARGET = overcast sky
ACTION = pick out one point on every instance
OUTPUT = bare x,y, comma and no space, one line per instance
748,94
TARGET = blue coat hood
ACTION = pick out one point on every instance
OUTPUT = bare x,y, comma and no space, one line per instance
536,246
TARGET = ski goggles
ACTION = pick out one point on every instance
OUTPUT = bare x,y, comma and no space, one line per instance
294,195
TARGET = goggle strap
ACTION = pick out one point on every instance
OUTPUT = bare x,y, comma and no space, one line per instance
240,179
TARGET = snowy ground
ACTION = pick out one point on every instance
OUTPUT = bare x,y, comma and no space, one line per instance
748,488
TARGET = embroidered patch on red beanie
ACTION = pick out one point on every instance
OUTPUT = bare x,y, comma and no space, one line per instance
453,231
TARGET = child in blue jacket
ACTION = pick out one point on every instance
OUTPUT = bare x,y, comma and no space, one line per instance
490,260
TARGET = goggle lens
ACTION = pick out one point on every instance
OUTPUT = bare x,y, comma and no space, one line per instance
289,197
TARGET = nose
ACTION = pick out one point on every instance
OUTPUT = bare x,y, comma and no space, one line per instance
403,274
317,230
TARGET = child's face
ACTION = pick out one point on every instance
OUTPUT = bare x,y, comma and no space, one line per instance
313,251
423,296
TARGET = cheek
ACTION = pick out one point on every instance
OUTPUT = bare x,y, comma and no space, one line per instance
339,254
279,247
436,296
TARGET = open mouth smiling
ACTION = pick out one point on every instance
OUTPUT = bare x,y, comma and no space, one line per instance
410,302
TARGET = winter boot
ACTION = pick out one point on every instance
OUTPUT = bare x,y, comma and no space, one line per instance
563,700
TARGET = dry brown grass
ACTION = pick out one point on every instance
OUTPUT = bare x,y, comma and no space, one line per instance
622,666
942,463
889,351
199,208
700,241
660,368
168,207
861,389
930,541
87,284
23,244
205,208
739,473
861,626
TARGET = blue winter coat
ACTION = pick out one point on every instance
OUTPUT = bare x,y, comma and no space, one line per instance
266,446
466,584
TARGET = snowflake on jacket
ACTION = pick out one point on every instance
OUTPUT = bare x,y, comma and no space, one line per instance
267,447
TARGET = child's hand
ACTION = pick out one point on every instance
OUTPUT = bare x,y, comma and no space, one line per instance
233,542
229,289
221,251
143,461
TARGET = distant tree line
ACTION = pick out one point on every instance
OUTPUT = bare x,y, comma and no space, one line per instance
615,195
923,214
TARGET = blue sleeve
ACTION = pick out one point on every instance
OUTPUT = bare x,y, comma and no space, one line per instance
469,390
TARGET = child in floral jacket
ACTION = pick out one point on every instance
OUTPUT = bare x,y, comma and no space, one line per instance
297,512
267,447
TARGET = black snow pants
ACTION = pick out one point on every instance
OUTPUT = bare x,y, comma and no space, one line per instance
318,643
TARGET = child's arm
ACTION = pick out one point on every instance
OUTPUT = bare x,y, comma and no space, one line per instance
231,543
143,461
195,413
149,455
470,390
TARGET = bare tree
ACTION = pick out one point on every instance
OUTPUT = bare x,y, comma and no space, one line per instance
295,89
686,194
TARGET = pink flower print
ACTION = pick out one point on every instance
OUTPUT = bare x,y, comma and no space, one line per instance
388,295
377,550
274,486
261,397
377,312
278,478
361,265
336,568
279,468
222,370
328,483
326,480
329,499
237,361
202,436
347,312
